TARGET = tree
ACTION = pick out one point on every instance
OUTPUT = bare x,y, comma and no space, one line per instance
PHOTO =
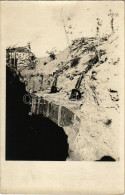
52,55
99,24
67,38
112,16
29,45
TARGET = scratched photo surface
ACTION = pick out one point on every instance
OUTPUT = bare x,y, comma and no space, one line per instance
63,81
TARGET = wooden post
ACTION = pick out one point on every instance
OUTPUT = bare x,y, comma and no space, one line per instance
10,58
15,60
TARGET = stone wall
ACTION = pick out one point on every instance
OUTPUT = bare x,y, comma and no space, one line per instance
82,145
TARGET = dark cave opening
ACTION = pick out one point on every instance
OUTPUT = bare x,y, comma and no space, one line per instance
107,158
30,137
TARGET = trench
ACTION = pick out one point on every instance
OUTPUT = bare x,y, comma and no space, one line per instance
30,137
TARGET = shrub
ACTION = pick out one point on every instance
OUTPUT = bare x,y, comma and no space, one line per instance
75,61
52,55
108,122
45,63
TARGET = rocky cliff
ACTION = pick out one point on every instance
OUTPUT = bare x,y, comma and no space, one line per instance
96,132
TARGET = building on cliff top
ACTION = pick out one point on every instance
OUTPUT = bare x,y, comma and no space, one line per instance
19,56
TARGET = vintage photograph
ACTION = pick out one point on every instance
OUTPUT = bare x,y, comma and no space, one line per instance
63,82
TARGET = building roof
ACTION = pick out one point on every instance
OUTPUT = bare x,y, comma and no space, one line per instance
19,49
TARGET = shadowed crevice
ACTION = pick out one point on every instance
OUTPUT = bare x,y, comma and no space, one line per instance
30,137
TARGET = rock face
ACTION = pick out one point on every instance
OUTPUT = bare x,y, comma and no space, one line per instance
91,134
92,123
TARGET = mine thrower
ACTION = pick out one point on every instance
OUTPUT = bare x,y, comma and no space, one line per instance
75,93
54,85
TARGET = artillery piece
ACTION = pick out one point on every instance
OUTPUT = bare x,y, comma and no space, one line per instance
54,88
54,85
75,93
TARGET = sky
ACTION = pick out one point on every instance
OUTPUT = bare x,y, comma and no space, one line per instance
42,22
